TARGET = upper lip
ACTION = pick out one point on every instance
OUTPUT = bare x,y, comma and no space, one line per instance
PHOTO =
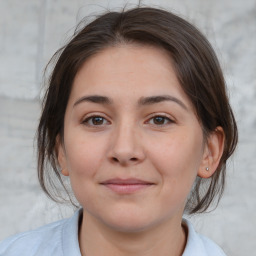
130,181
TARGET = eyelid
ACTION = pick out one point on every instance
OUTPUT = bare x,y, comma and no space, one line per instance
164,115
89,116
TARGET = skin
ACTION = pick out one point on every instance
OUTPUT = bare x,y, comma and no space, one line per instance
129,133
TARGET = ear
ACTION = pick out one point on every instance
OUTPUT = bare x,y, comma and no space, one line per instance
212,153
60,152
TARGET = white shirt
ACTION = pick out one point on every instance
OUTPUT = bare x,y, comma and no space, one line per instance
61,239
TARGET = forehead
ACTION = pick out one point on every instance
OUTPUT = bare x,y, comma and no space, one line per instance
132,70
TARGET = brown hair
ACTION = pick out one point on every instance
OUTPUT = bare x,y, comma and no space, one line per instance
197,69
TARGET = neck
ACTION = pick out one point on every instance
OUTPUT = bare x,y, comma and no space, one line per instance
168,238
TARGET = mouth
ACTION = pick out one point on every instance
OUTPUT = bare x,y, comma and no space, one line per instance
126,186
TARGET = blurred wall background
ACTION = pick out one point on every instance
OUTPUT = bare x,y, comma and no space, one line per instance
32,30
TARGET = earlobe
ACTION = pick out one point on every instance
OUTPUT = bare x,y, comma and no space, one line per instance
65,172
212,153
60,152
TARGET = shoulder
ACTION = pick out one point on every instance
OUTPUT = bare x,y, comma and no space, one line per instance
31,242
199,245
46,240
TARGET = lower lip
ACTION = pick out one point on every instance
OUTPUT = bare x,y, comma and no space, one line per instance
127,188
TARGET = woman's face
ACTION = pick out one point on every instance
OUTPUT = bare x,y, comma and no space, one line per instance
133,145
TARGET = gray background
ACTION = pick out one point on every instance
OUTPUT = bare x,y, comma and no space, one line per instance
32,30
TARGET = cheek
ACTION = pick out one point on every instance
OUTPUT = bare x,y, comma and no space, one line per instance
84,155
177,159
84,160
179,151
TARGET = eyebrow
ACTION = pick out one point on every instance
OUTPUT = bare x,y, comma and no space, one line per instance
142,101
95,99
161,98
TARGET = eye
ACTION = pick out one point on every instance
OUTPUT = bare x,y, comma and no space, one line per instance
160,120
95,121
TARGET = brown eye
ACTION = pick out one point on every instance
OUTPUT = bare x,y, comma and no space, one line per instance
95,121
160,120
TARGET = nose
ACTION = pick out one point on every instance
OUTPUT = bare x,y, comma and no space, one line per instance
126,146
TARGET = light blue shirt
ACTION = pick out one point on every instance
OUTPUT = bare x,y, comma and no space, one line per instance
61,239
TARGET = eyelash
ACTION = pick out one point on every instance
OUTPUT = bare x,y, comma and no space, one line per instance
166,119
89,119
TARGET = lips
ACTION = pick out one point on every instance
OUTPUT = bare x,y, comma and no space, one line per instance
126,186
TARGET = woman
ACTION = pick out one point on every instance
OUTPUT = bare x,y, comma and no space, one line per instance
137,118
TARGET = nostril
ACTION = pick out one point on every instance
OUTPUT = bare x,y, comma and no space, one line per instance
115,159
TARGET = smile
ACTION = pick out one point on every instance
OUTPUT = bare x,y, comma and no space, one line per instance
126,186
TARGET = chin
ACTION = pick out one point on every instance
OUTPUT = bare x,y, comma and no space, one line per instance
129,221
